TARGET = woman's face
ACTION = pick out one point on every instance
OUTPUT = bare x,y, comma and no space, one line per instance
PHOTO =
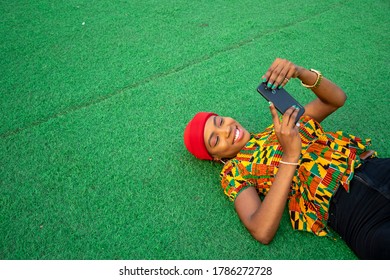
224,137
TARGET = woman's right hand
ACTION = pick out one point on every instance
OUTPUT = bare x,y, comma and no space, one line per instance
287,133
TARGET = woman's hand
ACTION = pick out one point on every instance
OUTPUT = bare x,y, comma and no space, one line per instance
262,218
280,72
287,133
330,97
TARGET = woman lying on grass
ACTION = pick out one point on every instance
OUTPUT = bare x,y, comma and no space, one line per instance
329,179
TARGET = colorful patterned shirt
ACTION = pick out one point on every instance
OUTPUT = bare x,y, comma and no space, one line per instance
327,161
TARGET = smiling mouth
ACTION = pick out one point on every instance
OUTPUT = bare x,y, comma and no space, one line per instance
237,135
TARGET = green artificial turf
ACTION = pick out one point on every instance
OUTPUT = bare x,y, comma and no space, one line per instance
94,97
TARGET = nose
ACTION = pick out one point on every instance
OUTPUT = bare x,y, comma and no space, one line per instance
224,131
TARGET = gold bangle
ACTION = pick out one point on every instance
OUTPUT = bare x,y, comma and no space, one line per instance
318,81
289,163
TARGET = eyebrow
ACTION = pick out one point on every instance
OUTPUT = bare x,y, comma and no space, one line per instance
212,133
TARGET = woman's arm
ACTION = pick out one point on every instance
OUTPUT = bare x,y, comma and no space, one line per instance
262,219
330,97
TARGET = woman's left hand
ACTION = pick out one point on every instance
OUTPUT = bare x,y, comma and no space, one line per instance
280,72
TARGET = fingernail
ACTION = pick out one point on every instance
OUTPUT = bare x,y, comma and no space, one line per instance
270,103
273,86
280,86
264,80
269,85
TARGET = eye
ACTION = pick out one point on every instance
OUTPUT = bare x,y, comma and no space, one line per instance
216,141
220,121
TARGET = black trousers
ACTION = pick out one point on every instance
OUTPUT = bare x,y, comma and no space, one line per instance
362,216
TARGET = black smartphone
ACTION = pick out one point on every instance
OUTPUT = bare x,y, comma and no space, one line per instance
280,98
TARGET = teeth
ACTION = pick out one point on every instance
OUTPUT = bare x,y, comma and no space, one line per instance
236,135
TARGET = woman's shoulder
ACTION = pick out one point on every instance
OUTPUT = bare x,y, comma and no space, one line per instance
235,169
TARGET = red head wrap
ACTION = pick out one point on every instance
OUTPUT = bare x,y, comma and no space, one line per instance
194,135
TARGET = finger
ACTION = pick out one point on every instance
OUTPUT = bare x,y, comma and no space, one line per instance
286,121
268,74
275,76
291,117
290,74
282,77
275,116
281,74
284,82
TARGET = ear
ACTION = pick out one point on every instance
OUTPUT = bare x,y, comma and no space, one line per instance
216,158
